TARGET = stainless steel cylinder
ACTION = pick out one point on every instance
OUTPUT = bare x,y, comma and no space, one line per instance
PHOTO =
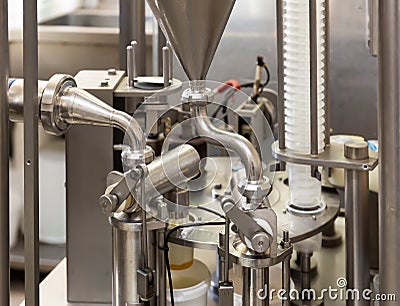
16,99
356,204
255,287
172,169
305,271
389,147
127,259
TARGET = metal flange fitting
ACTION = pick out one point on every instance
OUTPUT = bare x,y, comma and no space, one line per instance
132,158
255,192
198,97
50,104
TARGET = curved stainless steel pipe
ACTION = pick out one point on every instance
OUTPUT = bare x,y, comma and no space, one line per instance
235,142
73,105
77,106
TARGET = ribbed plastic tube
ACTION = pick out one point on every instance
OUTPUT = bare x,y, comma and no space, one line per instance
305,191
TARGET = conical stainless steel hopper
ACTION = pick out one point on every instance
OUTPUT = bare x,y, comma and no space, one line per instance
194,29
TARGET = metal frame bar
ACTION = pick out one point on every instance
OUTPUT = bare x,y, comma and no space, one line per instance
132,21
4,159
313,77
281,74
327,71
31,169
389,147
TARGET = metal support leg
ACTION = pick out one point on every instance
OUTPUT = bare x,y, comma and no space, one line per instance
254,283
286,271
4,151
305,275
286,281
31,170
356,202
127,258
389,148
161,269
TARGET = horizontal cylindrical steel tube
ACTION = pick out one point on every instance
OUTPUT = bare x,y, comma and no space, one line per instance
172,169
16,98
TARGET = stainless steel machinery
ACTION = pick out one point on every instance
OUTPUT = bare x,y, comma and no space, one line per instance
174,176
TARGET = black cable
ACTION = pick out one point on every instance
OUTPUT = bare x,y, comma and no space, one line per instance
211,211
166,250
224,103
268,78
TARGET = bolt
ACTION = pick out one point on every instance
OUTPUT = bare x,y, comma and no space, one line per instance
112,71
314,217
104,83
284,211
285,236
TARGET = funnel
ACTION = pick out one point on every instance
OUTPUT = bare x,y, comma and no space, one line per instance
194,29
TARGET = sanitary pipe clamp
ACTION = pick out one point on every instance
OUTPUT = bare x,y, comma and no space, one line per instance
50,104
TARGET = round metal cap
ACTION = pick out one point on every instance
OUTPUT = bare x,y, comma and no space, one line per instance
355,149
261,242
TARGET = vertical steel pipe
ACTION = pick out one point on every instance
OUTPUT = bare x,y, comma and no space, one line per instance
286,281
356,204
132,27
281,74
4,153
389,147
246,283
313,76
327,63
254,284
31,170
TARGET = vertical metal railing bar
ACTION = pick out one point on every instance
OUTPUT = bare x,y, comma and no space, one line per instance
31,171
4,158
